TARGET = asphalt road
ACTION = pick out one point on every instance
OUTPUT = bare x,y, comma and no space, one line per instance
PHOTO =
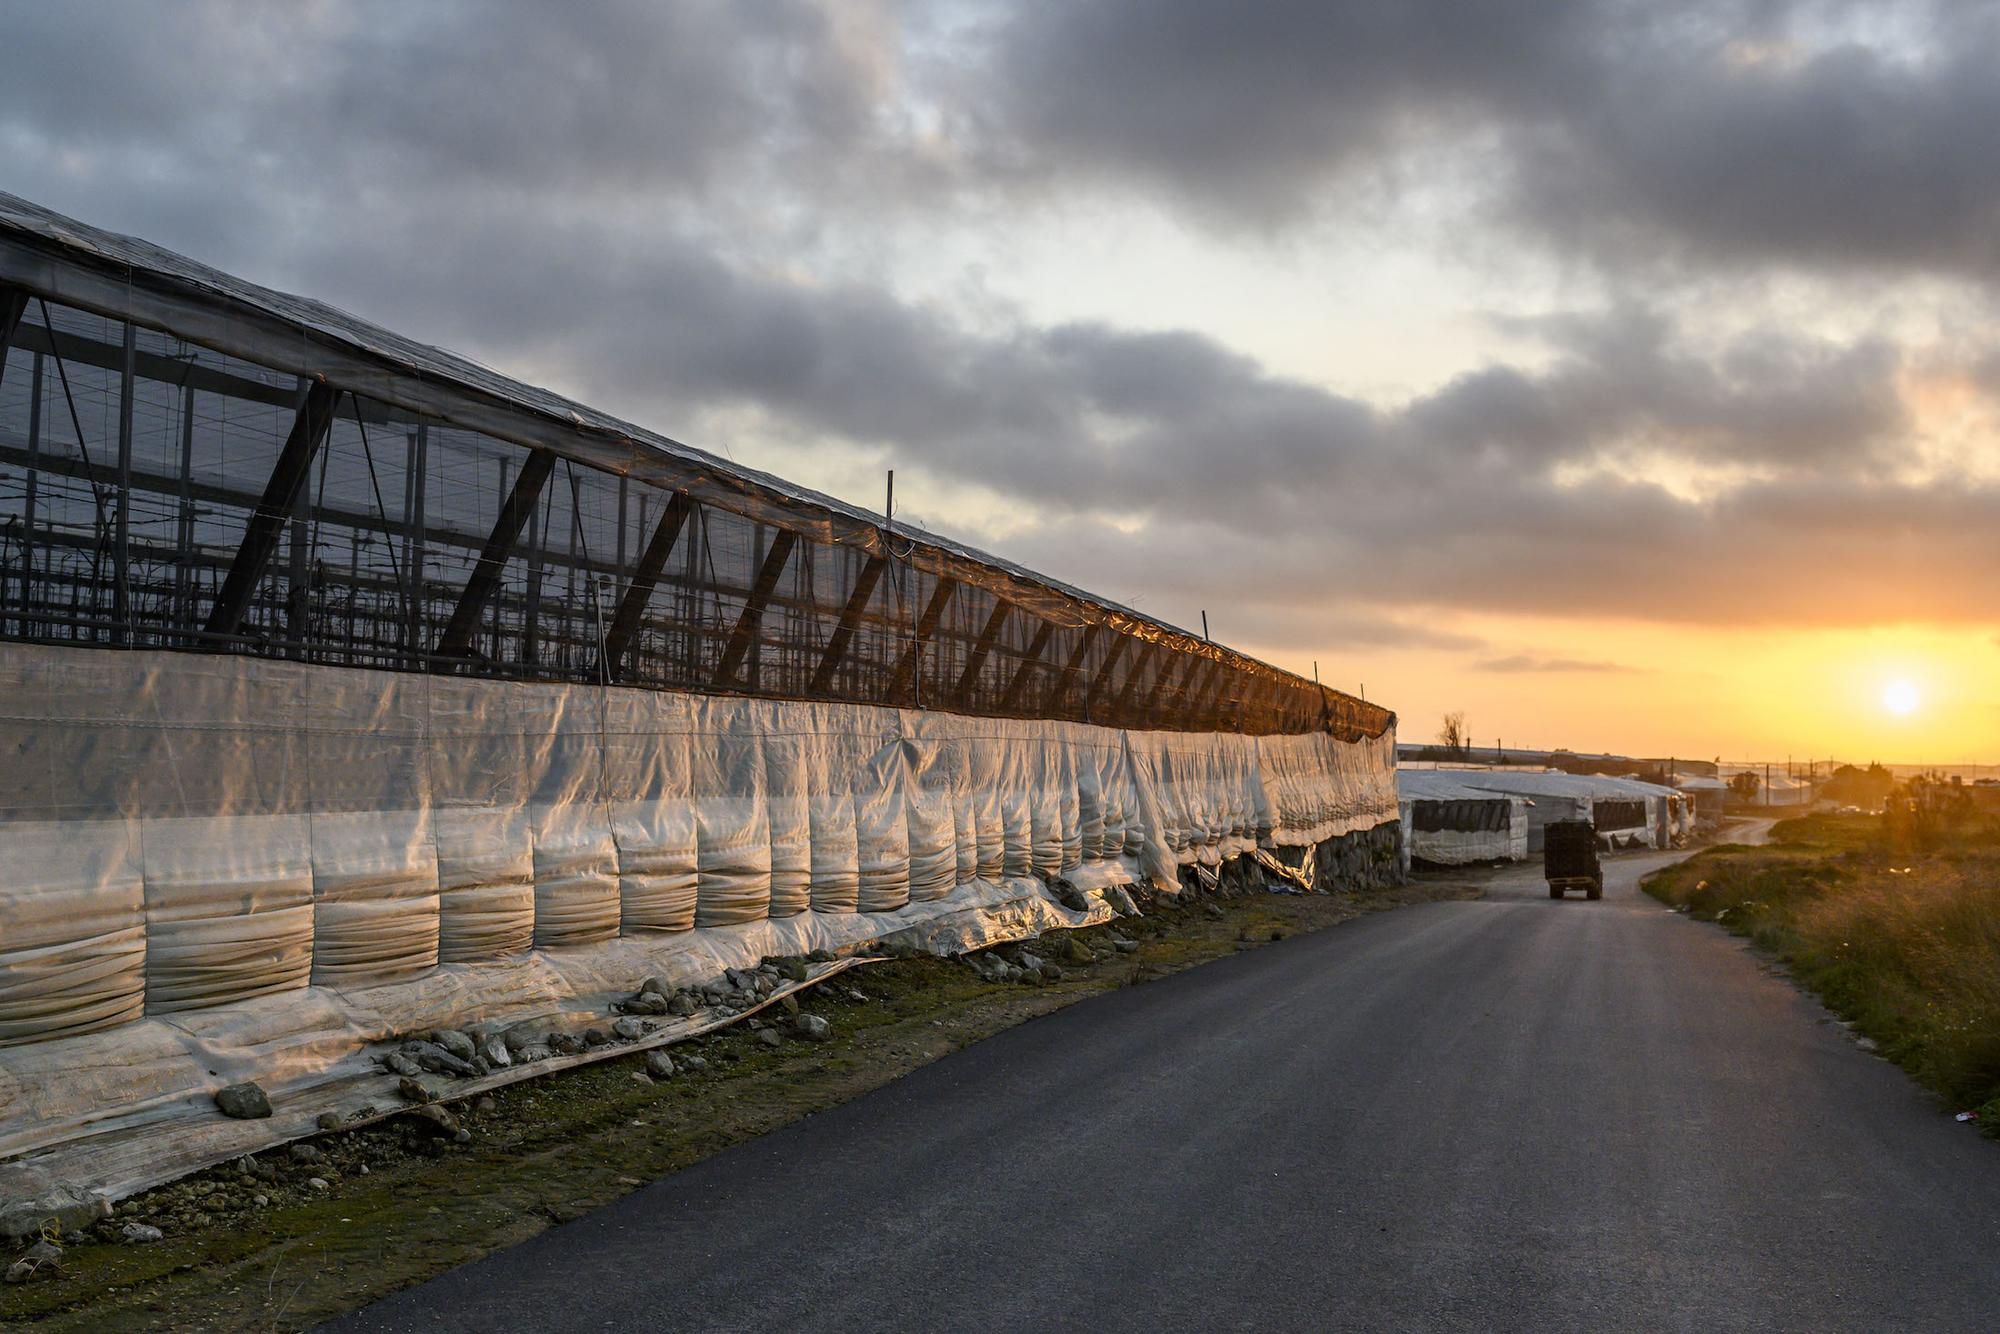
1510,1114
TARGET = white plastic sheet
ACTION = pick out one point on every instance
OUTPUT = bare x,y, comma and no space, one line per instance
222,868
196,831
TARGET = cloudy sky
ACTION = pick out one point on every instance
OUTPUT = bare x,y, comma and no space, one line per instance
1624,374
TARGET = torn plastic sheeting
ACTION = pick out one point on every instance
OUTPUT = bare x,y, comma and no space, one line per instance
119,1112
1301,876
548,842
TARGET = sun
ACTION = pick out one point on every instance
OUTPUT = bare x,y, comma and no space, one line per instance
1900,698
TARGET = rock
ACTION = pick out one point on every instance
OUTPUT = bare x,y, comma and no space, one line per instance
659,1065
629,1029
398,1064
1211,910
656,985
793,969
791,1004
858,997
1121,902
565,1044
439,1117
261,1201
694,1063
329,1121
495,1053
812,1028
419,1090
318,1183
534,1051
485,1104
595,1037
1124,946
455,1042
461,1136
522,1035
140,1234
1071,950
681,1003
641,1077
66,1206
39,1258
436,1060
306,1153
646,1002
1071,897
820,956
1030,962
769,1037
765,984
245,1102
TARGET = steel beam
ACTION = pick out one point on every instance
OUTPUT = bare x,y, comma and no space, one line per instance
456,641
981,647
624,632
906,666
1052,706
1104,670
1147,652
13,304
260,538
1029,660
1157,692
745,634
850,618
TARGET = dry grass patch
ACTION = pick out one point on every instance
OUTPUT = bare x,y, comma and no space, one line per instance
1902,941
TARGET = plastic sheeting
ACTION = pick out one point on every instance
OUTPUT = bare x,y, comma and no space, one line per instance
225,868
189,832
1446,823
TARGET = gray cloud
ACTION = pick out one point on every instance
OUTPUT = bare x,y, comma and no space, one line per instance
612,195
1753,131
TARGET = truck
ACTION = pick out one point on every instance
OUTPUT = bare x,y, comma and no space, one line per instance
1569,858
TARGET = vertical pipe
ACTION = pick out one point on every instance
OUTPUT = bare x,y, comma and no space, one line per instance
121,552
296,579
34,476
415,483
531,623
184,519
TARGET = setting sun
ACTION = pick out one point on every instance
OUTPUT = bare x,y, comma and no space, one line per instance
1900,698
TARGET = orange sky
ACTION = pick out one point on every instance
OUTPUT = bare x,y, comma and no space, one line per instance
1702,693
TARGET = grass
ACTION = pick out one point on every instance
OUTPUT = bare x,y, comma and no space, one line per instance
403,1205
1896,929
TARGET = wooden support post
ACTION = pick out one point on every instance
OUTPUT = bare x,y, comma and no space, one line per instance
274,509
745,633
456,641
632,607
905,674
981,647
850,617
1011,700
